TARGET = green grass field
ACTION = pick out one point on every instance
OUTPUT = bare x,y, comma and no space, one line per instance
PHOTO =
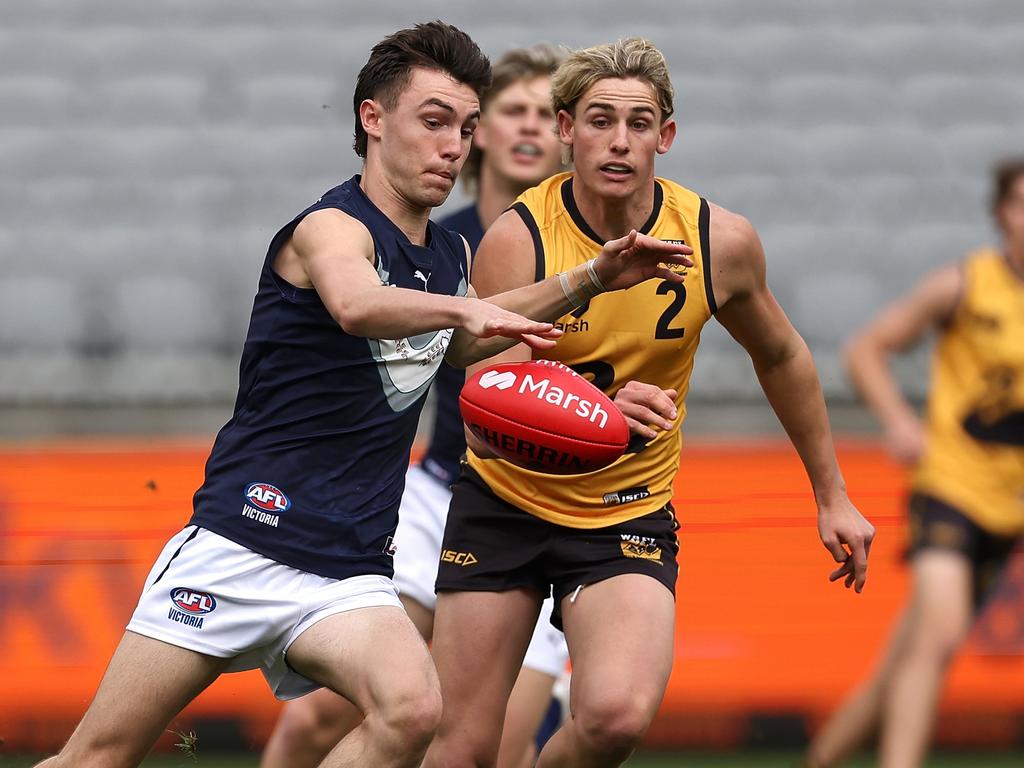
646,760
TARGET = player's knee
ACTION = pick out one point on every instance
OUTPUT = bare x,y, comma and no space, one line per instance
415,716
302,724
615,726
938,639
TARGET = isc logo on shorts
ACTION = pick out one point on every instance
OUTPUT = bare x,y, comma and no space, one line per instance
190,606
459,558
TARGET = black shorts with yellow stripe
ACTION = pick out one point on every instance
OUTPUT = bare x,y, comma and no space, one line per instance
934,524
492,546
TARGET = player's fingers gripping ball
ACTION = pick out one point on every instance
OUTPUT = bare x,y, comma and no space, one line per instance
543,416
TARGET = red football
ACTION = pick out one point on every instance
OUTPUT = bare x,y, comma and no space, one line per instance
543,416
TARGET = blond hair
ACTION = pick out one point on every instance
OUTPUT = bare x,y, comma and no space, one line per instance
515,66
631,57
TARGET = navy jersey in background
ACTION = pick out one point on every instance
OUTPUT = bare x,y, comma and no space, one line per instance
448,440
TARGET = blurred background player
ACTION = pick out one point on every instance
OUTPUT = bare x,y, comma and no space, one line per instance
967,502
605,542
514,147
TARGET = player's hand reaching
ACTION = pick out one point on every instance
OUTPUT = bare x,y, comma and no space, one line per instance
634,258
647,408
905,440
847,536
486,320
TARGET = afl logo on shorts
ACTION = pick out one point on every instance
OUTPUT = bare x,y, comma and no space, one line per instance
267,497
192,602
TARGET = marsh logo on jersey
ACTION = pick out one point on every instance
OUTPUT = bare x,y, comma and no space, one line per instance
576,326
640,547
626,496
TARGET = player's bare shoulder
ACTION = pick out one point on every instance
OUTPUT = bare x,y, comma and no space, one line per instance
937,295
737,257
323,234
505,259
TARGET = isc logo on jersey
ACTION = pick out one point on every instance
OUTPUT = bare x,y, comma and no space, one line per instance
263,501
543,390
190,606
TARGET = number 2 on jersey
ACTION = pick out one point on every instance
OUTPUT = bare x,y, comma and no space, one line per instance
663,329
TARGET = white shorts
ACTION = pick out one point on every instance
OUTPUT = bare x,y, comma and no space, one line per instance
213,596
421,519
547,652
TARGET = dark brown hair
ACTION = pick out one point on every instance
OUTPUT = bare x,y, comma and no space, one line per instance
433,45
1004,176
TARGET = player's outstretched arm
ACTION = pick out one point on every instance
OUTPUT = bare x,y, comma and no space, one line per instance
897,328
786,371
333,253
504,272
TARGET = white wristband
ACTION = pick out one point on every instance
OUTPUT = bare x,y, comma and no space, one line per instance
570,294
593,276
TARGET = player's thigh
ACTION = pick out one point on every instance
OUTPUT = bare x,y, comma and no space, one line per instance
374,657
941,601
422,617
146,684
480,639
620,633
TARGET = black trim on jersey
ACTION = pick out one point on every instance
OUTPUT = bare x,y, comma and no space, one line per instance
176,553
704,228
659,198
574,213
946,321
538,244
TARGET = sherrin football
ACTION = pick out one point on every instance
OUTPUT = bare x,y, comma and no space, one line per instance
543,416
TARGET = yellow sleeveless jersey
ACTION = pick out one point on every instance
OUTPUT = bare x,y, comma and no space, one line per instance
974,458
648,333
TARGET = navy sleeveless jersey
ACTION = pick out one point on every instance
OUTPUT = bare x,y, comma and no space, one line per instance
310,469
448,440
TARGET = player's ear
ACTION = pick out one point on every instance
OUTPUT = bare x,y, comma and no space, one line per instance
370,115
666,135
566,124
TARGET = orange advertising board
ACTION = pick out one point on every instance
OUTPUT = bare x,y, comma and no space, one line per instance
759,628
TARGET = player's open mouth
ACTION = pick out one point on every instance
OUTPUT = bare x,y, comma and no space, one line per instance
616,170
526,150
